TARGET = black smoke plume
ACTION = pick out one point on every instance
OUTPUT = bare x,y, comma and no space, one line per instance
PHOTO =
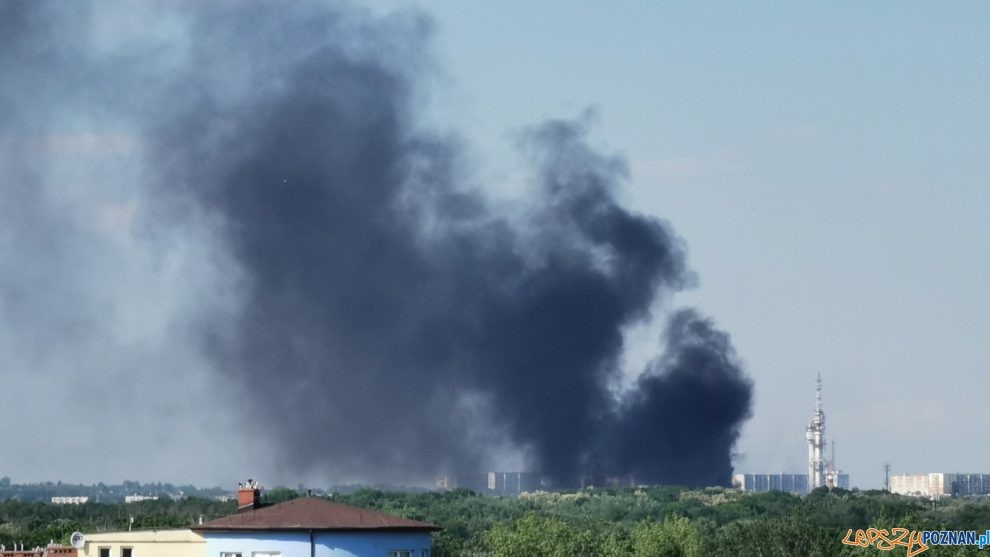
391,322
683,414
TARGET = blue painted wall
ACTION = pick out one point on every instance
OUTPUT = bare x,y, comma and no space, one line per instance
327,544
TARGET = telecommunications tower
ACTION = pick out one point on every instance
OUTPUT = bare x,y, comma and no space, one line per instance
818,468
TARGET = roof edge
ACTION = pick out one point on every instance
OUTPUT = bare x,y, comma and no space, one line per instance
410,528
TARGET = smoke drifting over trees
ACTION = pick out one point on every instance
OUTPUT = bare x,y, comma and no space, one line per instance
376,315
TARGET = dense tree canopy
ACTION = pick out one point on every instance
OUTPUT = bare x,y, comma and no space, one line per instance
655,521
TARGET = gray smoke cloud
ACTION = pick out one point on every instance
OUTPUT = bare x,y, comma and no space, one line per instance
370,314
98,356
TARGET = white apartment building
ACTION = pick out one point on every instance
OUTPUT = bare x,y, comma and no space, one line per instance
940,484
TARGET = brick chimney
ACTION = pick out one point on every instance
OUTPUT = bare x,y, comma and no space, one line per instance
248,495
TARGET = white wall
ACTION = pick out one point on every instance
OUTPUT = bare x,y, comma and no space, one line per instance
180,542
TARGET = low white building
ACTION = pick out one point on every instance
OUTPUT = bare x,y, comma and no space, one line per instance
139,498
174,542
77,500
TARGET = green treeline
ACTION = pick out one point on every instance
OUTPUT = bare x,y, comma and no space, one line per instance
100,493
656,521
670,521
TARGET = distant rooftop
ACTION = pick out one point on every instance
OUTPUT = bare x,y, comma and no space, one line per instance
310,513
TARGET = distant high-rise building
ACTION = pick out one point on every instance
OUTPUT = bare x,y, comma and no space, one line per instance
513,483
75,500
790,483
938,484
475,481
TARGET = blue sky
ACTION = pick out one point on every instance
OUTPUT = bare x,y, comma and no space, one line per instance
827,166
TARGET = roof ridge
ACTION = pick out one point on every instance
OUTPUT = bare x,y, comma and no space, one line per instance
313,513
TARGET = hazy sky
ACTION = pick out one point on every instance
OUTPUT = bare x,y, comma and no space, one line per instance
825,164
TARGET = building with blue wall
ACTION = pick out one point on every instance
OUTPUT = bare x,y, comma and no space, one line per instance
311,527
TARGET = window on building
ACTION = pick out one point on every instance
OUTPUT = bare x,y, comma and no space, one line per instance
230,554
400,553
424,553
104,552
126,552
265,554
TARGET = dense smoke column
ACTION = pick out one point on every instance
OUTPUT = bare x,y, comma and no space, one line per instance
680,423
301,155
391,324
548,348
373,317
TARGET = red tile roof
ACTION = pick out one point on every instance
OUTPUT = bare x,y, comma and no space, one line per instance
310,513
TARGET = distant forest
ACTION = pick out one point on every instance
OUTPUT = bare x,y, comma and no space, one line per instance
654,521
101,493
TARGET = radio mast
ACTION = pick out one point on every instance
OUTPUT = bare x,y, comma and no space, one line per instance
815,435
